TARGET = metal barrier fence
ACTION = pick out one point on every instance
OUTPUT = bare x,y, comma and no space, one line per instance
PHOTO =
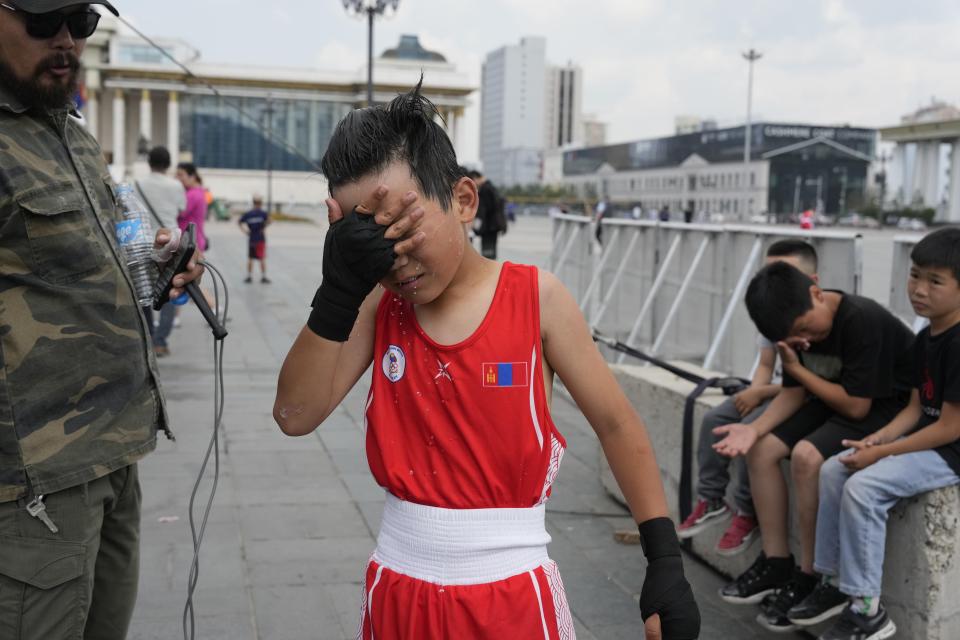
676,290
900,268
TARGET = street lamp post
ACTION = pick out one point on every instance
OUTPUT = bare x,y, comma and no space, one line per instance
372,9
268,114
750,56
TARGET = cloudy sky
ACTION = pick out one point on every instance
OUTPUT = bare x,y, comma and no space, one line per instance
863,62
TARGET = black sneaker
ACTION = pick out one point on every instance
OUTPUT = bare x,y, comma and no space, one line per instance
763,577
775,618
824,602
854,626
766,605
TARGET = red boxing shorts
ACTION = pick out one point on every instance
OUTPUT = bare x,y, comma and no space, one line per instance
258,250
482,574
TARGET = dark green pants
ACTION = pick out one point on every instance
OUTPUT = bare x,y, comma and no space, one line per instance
81,582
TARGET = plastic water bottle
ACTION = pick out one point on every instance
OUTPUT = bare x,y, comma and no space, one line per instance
135,237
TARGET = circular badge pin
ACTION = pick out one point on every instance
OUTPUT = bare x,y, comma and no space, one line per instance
394,363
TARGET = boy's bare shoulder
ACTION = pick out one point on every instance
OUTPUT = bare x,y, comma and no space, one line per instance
550,286
558,309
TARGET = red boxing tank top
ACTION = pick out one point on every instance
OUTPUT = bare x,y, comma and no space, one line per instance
464,426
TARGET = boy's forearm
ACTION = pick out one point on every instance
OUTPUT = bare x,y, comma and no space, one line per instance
762,376
305,385
787,402
901,424
768,391
634,465
930,437
832,394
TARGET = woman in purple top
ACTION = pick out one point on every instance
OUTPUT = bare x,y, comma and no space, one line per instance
196,211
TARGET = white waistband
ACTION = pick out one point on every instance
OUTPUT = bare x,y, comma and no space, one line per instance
460,546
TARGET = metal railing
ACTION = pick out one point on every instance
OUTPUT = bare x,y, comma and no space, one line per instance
676,290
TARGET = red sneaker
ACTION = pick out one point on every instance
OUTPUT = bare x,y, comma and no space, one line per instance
738,536
705,513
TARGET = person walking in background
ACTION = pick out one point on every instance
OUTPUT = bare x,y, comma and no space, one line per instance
196,209
165,199
599,213
491,218
254,223
81,401
195,212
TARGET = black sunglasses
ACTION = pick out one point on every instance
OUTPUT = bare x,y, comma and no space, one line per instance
81,24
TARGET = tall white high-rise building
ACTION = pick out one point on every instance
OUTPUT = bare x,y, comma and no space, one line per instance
512,112
564,105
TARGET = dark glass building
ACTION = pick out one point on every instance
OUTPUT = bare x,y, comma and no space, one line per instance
220,135
801,166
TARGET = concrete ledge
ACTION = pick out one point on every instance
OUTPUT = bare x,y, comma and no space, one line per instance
922,570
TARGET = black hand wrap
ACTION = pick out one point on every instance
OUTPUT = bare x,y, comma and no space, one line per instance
356,256
665,589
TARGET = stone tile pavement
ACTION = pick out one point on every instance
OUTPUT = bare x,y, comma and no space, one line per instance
295,519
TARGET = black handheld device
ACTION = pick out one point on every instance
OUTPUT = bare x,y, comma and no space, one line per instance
178,264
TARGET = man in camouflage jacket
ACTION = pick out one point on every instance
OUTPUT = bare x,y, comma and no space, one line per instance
80,401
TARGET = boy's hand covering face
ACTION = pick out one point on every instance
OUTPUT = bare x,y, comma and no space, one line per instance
359,250
402,220
356,256
788,354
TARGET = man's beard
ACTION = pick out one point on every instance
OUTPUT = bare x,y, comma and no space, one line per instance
34,93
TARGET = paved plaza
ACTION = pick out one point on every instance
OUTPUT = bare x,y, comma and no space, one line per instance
295,519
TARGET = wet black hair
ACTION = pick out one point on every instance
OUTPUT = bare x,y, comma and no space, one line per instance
795,248
776,297
369,140
940,248
159,159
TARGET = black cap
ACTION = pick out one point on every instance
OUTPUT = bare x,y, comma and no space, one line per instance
46,6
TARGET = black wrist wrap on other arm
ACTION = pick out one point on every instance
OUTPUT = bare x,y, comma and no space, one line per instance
658,538
356,256
665,589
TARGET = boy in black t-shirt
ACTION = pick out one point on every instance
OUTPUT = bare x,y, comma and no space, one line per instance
859,486
846,372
